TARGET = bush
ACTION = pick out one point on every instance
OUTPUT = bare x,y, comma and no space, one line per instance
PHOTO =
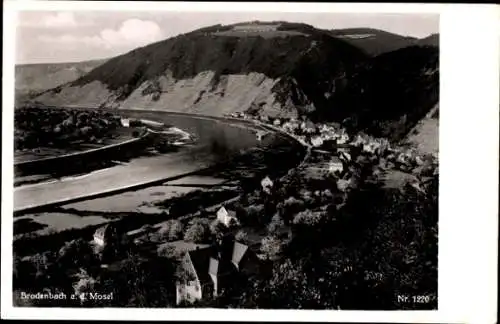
198,231
273,247
169,252
241,236
218,229
310,218
85,284
42,126
77,253
275,225
290,207
253,215
171,231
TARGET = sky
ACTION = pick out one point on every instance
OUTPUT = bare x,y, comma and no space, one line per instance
57,36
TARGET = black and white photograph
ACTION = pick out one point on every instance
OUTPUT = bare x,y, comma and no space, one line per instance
226,160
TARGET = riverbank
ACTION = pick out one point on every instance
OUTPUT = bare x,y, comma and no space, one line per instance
242,173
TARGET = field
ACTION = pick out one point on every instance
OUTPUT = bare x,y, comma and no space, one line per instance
264,34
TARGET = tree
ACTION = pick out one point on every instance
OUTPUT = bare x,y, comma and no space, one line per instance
241,236
169,252
140,283
84,285
253,215
294,285
198,231
276,224
310,218
273,247
289,207
218,229
77,253
41,263
171,230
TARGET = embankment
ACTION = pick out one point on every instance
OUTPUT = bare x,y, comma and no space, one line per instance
72,160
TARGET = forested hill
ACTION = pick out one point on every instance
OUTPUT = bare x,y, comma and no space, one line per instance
273,68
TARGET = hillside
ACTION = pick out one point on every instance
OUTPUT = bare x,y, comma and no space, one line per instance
373,41
388,94
272,68
269,67
425,135
431,40
33,78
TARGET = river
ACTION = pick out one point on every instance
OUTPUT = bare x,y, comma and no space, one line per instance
216,139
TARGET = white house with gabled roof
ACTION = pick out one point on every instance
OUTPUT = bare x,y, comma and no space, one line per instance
316,141
335,165
267,184
226,217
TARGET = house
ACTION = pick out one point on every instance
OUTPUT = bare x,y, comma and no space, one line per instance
343,184
260,135
335,165
226,217
267,184
205,272
343,139
316,141
308,127
419,160
345,156
125,122
104,235
277,122
289,127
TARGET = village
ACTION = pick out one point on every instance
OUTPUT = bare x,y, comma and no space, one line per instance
236,240
242,237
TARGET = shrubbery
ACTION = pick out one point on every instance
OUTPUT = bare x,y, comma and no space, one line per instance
172,230
35,127
198,231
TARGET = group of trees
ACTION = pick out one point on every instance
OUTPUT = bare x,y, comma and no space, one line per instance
198,231
172,230
76,269
325,248
378,243
55,271
36,127
202,230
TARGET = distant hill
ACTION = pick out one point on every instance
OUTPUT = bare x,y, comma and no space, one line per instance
431,40
273,68
33,78
276,68
374,41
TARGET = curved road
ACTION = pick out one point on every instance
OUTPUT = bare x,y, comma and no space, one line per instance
143,171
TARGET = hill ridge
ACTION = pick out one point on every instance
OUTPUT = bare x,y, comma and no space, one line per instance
274,68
